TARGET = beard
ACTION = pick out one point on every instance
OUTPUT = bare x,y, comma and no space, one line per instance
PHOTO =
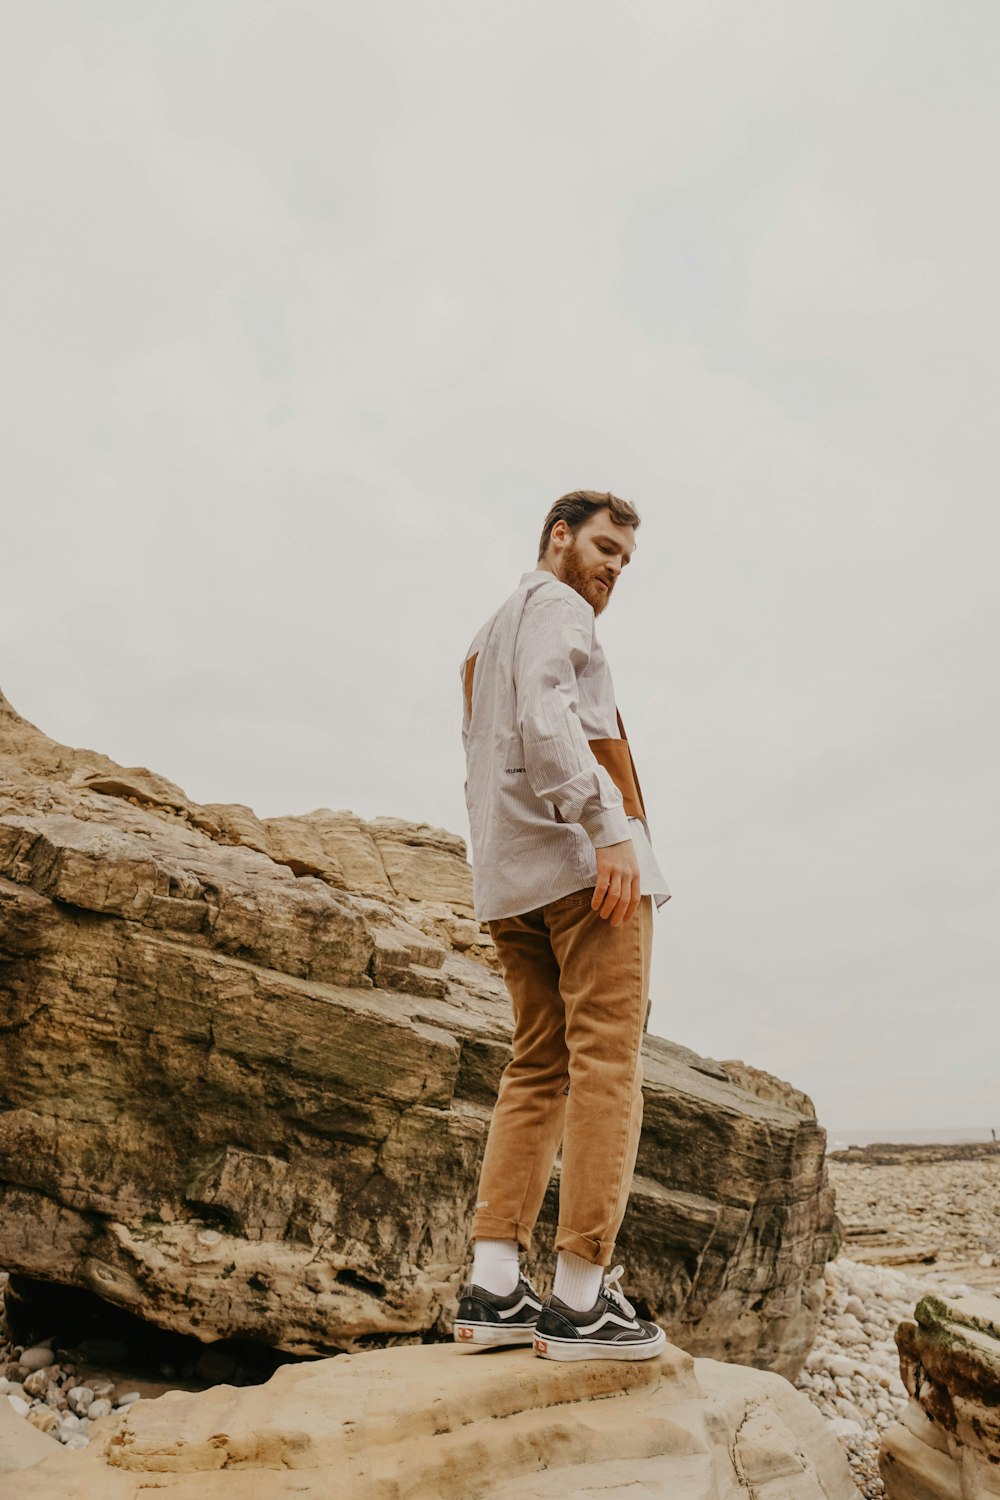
584,579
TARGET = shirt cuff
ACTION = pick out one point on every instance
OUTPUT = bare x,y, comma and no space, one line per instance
610,826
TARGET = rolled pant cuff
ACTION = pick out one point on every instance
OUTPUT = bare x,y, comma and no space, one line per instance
489,1227
598,1252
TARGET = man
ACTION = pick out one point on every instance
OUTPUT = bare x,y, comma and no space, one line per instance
564,873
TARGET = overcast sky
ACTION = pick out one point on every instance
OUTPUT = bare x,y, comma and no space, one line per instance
312,309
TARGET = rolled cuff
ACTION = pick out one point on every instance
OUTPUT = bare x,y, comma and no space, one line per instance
492,1227
609,826
598,1252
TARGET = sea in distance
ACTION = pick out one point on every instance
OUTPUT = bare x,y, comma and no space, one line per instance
839,1140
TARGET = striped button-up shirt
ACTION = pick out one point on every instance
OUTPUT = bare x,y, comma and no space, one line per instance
539,802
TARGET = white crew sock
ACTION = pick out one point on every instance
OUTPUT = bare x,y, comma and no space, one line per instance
495,1266
578,1281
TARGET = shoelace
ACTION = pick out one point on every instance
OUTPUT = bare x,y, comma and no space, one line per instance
615,1292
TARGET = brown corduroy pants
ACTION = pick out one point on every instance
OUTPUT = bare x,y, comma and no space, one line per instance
579,990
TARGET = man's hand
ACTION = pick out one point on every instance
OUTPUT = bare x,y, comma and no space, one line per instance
617,893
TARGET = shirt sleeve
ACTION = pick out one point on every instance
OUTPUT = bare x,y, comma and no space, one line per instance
553,645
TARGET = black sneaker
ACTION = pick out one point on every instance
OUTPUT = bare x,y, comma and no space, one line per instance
609,1330
487,1318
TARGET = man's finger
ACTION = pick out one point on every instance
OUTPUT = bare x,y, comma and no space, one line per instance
599,891
612,897
634,903
620,912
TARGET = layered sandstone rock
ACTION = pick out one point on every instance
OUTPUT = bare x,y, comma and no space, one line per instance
248,1068
440,1423
947,1444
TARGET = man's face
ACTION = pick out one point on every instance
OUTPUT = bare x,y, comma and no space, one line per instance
592,560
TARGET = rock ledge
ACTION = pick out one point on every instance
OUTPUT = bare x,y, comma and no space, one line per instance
440,1423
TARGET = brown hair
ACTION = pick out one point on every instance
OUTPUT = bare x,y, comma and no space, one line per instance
578,506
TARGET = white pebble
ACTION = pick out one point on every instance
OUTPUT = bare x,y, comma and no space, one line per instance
848,1409
846,1427
37,1358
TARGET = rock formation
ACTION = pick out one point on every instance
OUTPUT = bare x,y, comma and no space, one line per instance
440,1423
247,1067
947,1444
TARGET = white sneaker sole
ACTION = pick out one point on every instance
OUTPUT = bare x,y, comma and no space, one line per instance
491,1333
553,1348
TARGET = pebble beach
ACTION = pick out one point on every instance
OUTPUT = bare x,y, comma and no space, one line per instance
916,1220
